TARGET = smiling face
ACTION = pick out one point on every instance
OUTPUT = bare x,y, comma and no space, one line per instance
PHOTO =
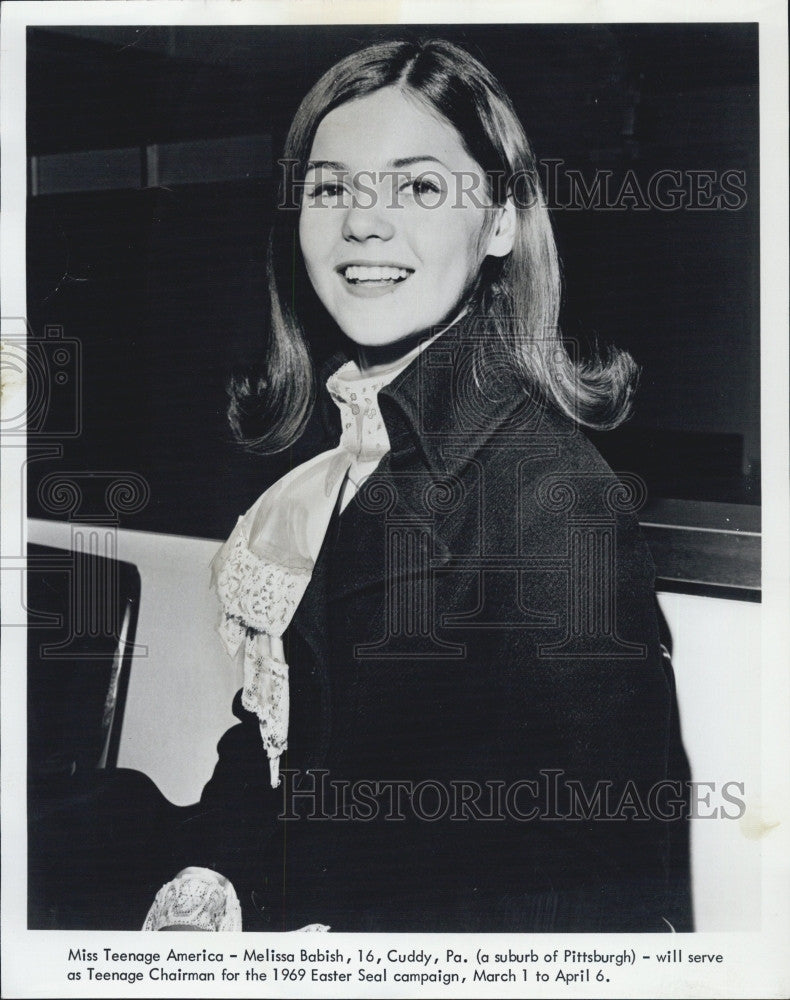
391,234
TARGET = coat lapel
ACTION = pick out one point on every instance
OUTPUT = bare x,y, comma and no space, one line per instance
387,507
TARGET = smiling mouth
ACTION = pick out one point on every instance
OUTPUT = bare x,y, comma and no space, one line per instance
374,274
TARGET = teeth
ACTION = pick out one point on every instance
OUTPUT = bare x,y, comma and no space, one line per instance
358,272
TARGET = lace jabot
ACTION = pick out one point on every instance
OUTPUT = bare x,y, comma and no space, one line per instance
263,569
197,898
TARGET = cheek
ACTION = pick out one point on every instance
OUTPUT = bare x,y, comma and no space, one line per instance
452,241
314,239
306,238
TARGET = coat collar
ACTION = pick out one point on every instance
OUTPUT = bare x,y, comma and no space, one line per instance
438,418
446,406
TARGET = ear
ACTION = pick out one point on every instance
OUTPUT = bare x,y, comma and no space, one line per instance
503,234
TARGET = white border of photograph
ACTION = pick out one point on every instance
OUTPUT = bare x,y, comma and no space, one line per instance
35,963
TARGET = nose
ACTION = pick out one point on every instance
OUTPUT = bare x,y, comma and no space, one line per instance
366,218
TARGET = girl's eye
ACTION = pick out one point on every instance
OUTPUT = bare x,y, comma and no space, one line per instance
425,190
424,186
328,191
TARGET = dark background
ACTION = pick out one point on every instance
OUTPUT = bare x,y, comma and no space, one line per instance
155,265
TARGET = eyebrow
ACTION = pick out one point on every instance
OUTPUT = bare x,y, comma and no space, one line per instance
405,161
328,164
409,161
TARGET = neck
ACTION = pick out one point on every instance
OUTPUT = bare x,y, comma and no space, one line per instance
381,358
378,359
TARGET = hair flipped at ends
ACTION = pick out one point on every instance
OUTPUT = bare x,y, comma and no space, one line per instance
516,299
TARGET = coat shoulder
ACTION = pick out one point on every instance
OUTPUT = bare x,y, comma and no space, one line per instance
556,466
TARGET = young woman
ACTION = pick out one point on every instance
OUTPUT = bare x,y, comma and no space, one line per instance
457,714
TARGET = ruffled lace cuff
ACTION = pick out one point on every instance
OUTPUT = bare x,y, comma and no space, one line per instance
197,898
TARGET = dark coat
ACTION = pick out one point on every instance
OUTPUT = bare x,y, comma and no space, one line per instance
480,636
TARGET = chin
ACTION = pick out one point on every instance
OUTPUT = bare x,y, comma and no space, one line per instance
380,338
377,332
